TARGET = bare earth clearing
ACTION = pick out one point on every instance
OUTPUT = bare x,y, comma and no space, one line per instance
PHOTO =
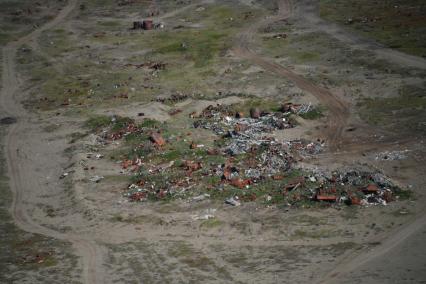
84,94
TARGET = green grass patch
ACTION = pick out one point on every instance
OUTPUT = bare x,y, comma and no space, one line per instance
315,113
394,23
405,111
95,123
211,223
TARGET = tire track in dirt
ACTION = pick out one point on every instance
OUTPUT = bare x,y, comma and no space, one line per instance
22,181
338,116
352,260
338,109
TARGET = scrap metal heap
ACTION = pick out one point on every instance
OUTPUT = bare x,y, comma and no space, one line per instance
246,163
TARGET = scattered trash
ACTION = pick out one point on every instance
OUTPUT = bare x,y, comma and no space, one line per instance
254,159
208,214
280,36
234,201
63,175
157,139
192,166
96,179
200,197
240,183
392,156
37,258
144,25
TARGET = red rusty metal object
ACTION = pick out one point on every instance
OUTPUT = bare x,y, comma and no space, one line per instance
388,196
157,139
355,200
192,166
371,188
138,196
147,25
227,171
126,163
240,183
277,177
330,198
293,183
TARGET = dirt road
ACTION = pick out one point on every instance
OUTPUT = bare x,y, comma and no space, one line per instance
378,254
22,181
338,117
338,109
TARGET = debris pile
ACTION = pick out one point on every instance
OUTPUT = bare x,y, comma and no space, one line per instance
354,188
243,133
392,155
245,163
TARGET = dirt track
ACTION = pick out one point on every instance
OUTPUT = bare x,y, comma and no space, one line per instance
339,110
337,119
22,181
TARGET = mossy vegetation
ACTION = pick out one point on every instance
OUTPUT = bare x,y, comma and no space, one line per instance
394,23
405,111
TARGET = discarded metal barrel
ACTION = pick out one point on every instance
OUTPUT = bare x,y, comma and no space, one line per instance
147,25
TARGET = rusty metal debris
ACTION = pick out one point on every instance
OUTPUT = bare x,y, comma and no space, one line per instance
392,155
157,139
251,164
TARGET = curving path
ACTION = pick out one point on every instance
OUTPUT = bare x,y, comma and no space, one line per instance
338,109
20,180
338,117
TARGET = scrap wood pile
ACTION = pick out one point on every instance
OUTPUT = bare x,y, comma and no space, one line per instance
245,163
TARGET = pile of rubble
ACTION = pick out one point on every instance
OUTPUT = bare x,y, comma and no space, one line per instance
243,133
256,164
354,188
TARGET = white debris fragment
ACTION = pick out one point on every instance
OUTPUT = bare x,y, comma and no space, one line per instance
96,179
200,197
234,201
